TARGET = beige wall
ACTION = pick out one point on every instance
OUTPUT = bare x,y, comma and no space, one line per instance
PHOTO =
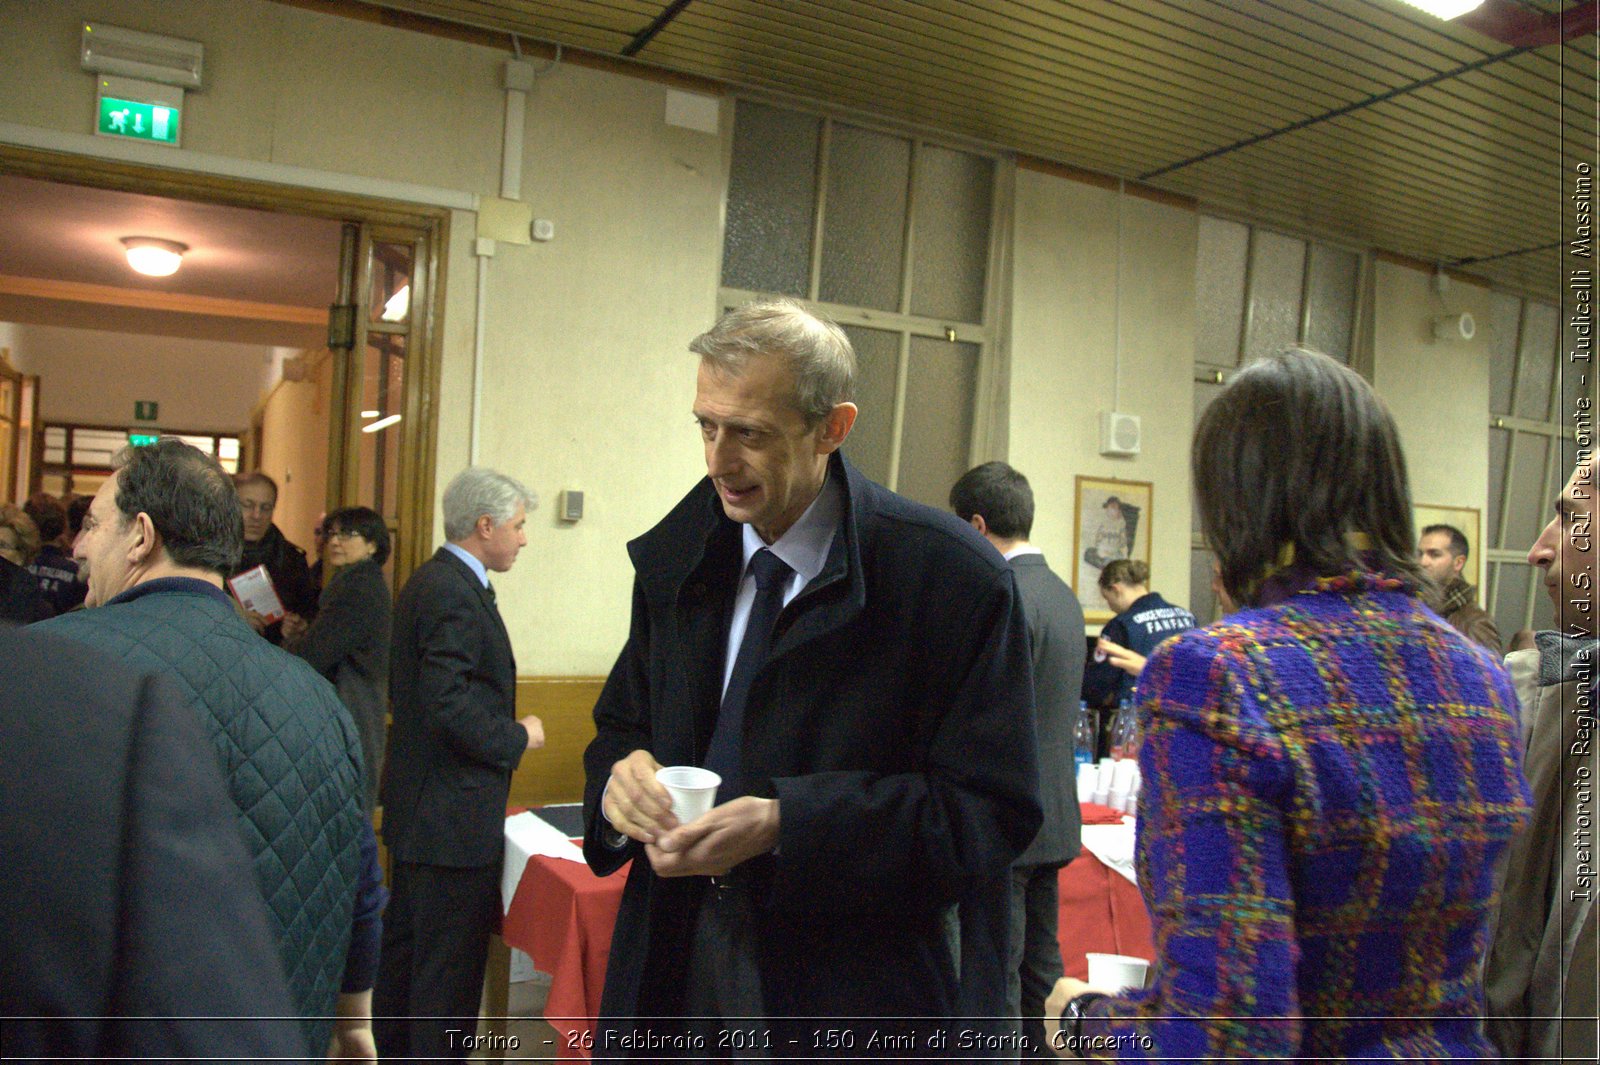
294,449
1064,357
1438,390
587,384
91,377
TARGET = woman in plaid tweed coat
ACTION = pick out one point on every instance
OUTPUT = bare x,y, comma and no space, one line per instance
1330,772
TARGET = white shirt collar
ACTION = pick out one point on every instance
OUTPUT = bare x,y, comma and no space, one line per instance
804,547
472,562
1022,549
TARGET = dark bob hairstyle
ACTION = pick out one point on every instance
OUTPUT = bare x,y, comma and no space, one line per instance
1298,462
364,522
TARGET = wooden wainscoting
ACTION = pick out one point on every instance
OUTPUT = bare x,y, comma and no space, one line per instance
554,773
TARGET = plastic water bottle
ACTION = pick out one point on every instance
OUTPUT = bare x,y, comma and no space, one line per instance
1083,738
1124,742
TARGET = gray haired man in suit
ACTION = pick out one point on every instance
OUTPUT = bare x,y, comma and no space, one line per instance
455,742
997,501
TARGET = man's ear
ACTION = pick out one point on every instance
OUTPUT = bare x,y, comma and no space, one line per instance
835,427
146,541
977,522
484,526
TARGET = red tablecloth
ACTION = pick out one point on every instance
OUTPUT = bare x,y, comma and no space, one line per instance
562,916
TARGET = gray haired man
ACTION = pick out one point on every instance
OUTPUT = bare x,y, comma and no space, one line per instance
1539,983
455,742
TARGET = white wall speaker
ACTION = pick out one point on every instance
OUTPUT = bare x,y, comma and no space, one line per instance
1119,433
570,505
1455,327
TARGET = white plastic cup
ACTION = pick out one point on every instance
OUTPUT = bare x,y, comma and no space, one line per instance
1117,799
1123,773
1116,973
1087,774
1108,769
693,790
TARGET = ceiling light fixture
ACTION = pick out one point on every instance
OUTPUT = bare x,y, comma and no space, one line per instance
371,413
153,256
1446,9
381,423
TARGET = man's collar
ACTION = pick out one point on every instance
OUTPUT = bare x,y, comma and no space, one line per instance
1023,548
477,567
804,547
160,585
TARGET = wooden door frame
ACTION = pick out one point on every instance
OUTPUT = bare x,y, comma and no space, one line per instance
422,377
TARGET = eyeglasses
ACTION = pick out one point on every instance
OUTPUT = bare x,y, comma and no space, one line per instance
344,534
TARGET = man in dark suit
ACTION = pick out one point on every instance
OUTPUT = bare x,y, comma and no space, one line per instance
997,501
855,667
455,742
132,921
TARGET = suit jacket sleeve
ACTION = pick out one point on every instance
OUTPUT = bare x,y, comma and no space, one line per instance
347,620
450,642
853,840
622,725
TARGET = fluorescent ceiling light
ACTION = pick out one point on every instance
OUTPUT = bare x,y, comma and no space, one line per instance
371,413
398,306
1445,9
153,256
113,50
381,423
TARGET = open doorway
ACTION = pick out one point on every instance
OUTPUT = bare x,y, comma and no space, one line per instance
296,320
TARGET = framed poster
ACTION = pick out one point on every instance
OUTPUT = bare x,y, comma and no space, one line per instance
1464,518
1110,520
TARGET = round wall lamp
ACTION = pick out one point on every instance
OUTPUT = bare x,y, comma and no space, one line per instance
153,256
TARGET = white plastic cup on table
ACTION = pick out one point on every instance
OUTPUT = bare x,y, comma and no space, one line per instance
1123,774
1116,973
1088,773
1103,780
693,790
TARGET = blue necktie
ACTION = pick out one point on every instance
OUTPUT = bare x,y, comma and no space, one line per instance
772,575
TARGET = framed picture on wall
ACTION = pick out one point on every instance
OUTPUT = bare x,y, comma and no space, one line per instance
1110,520
1463,518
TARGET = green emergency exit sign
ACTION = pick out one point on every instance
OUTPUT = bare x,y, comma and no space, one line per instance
143,439
139,121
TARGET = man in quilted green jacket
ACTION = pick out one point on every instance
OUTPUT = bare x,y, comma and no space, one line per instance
159,536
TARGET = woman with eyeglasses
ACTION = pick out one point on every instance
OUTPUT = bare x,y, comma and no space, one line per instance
349,641
1330,773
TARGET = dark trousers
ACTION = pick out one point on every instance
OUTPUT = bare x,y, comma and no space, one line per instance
1034,964
435,947
724,985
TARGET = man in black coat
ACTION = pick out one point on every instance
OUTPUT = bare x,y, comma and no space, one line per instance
455,742
998,501
866,700
265,545
132,921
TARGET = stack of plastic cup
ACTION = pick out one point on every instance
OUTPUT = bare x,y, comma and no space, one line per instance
1102,781
1123,775
1088,773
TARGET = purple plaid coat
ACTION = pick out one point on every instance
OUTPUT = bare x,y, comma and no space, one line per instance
1328,783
